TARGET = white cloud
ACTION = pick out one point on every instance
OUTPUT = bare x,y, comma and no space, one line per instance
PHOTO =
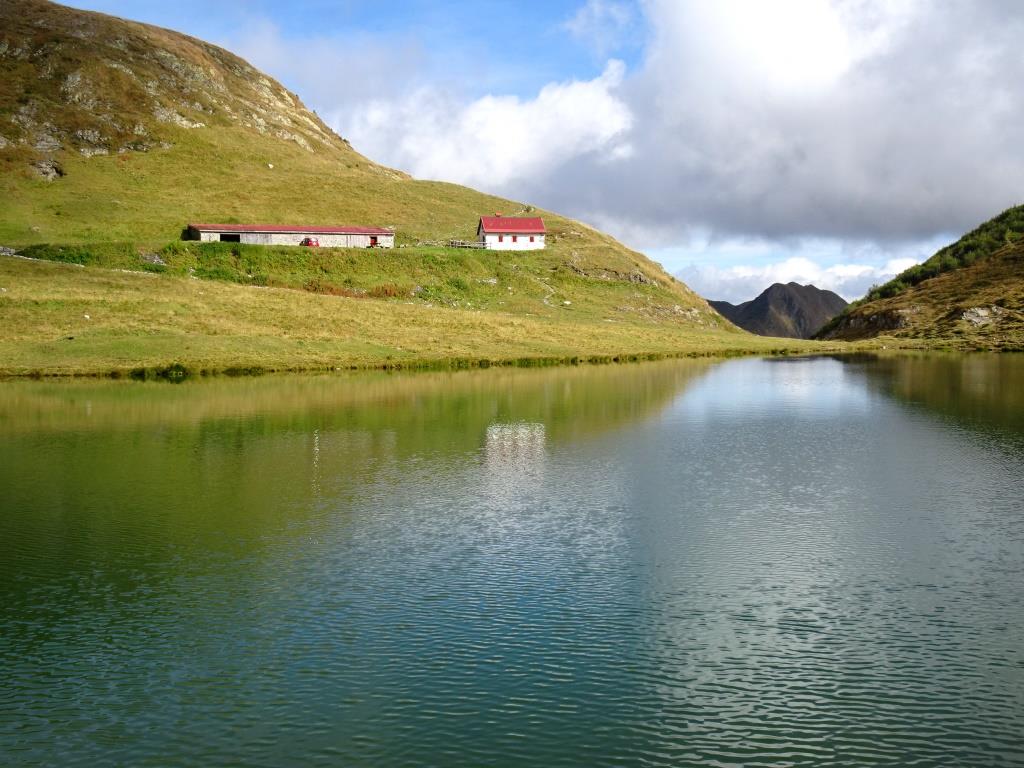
392,109
898,126
785,45
336,73
495,141
601,25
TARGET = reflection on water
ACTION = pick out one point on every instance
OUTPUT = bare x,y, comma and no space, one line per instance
518,445
513,454
758,562
983,390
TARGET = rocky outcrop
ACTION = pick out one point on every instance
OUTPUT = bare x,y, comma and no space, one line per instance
607,273
980,316
95,85
48,168
862,325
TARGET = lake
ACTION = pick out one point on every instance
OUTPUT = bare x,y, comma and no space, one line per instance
747,562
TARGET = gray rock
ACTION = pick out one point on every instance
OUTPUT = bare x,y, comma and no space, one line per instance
640,277
290,136
135,146
90,135
77,90
46,142
183,69
165,115
118,66
48,168
981,316
5,251
153,258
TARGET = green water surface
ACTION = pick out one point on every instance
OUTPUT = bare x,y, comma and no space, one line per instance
754,562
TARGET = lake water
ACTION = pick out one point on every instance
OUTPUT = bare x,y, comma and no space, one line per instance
750,562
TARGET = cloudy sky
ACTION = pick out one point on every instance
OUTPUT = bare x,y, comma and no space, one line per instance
738,142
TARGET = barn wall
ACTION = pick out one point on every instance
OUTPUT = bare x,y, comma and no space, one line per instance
523,243
264,238
326,241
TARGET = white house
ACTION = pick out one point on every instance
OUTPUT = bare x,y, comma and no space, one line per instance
511,233
266,234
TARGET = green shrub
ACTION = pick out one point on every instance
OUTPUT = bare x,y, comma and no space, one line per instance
67,254
217,272
387,291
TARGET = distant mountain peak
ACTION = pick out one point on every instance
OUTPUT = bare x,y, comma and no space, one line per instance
789,310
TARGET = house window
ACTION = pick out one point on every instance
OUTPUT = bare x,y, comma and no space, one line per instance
531,238
515,238
501,238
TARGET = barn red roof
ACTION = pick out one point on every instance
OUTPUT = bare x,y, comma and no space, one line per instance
280,229
516,225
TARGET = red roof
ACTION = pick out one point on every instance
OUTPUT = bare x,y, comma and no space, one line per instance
513,225
278,229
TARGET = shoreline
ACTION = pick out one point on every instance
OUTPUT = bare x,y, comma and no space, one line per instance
180,371
68,322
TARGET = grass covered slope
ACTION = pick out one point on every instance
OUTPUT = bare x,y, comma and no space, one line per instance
62,319
979,306
114,135
114,131
521,282
980,243
928,301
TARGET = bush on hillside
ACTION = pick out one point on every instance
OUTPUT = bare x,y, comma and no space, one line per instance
980,243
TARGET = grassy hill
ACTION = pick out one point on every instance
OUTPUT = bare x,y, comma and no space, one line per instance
976,306
142,130
1004,229
114,135
968,295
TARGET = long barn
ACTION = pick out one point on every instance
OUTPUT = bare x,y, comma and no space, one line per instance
272,234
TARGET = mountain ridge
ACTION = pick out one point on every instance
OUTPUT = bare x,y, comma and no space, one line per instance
786,310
